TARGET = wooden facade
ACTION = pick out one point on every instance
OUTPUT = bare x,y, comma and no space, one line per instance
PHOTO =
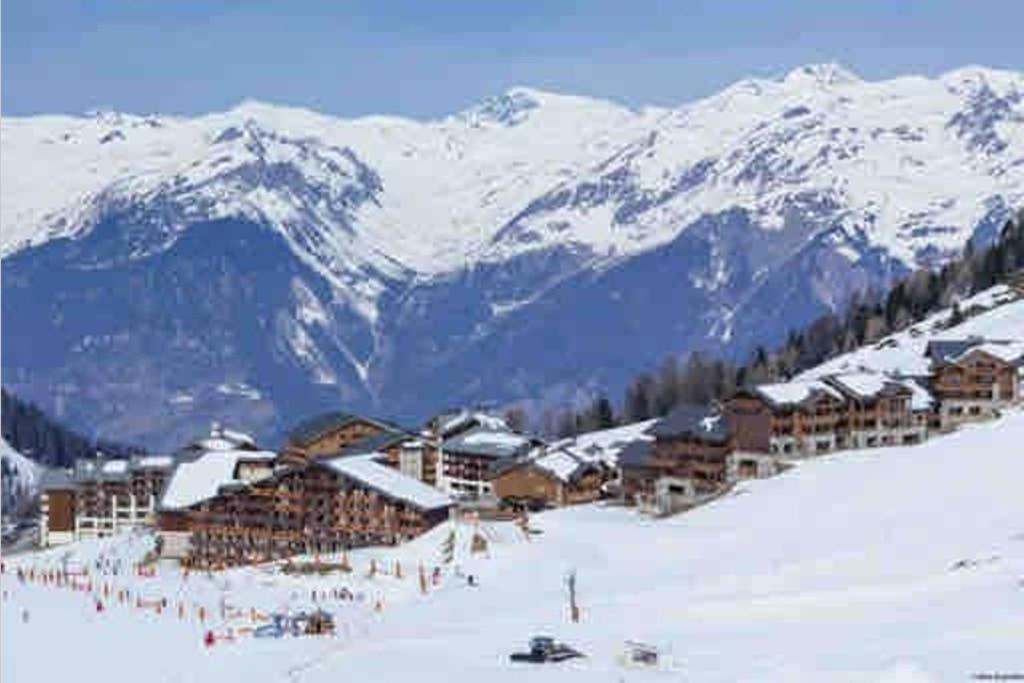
687,461
973,386
530,483
330,435
805,427
304,509
60,510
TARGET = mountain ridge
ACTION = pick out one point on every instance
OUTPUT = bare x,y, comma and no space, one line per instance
417,251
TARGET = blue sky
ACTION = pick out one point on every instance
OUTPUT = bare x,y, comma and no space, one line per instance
429,57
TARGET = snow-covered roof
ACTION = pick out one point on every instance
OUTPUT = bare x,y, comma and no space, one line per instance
1006,351
201,479
499,443
565,463
796,391
115,467
154,461
452,422
315,427
389,481
606,444
694,420
871,384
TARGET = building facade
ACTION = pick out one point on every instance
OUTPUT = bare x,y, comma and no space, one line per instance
686,463
101,497
323,506
974,378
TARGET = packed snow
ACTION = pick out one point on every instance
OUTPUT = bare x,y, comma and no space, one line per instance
889,564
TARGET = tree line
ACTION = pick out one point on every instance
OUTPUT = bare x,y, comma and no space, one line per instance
32,432
870,316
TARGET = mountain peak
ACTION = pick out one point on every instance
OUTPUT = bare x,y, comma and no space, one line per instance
826,74
507,109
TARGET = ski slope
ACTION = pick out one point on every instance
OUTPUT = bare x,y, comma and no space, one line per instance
892,564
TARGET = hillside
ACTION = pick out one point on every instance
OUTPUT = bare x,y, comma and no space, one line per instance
996,313
264,263
20,480
832,571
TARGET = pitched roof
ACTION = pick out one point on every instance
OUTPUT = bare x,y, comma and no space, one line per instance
795,392
448,424
565,465
692,420
373,443
220,439
202,478
315,427
561,462
497,443
954,350
388,481
636,454
865,385
606,444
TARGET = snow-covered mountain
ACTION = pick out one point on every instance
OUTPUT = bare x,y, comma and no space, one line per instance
266,261
19,477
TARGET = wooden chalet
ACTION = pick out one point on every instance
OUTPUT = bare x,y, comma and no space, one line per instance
974,378
880,410
791,419
550,477
330,433
687,461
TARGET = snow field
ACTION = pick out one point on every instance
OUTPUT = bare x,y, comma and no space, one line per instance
890,564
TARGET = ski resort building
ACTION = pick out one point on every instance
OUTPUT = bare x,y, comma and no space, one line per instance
468,452
881,411
326,505
792,419
329,434
687,462
549,477
200,476
811,417
100,497
225,505
974,378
